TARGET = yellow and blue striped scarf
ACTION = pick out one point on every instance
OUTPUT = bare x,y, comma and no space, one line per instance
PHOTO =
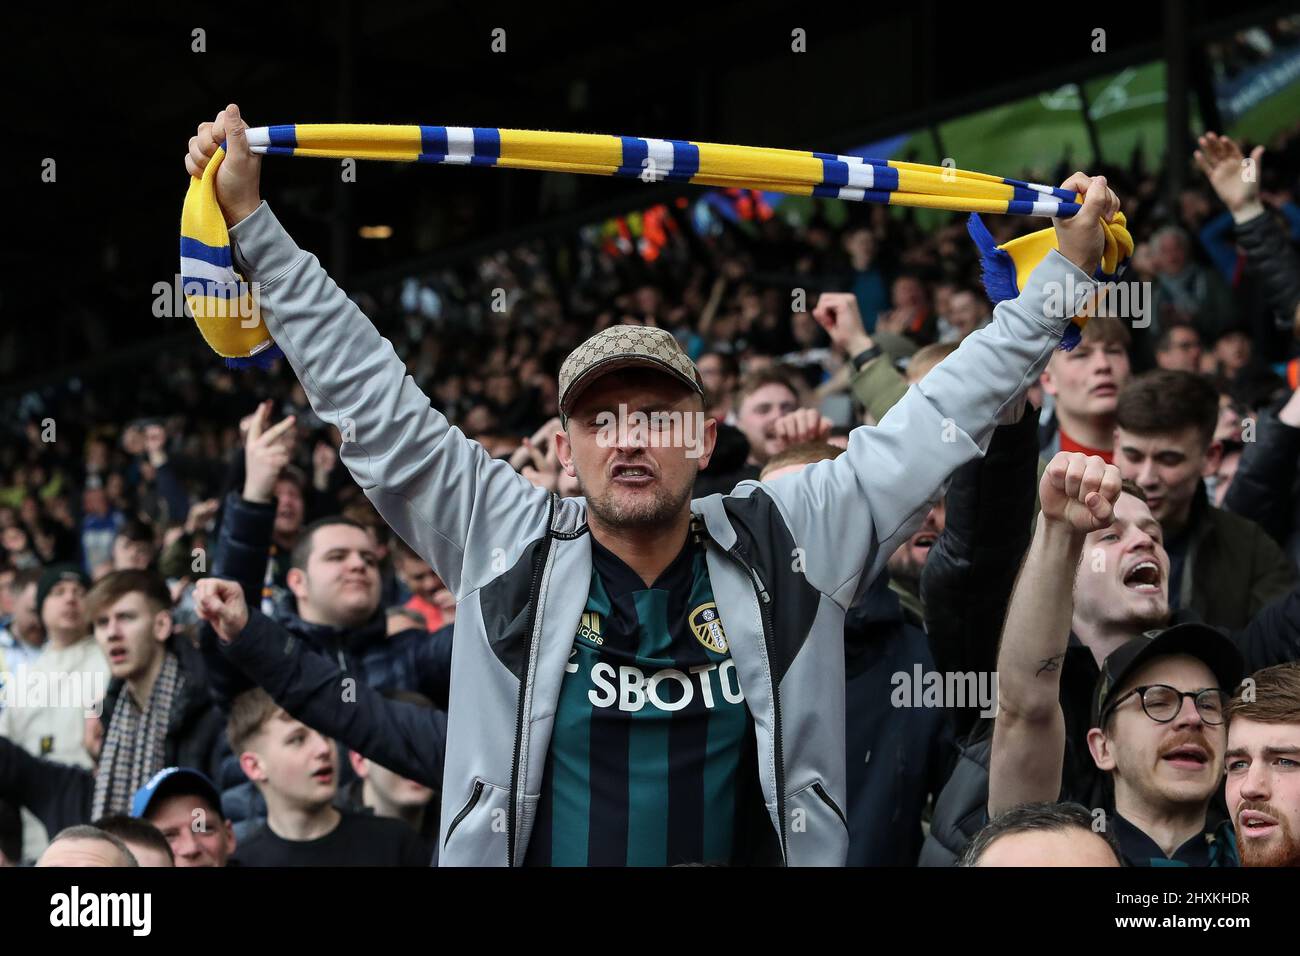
226,313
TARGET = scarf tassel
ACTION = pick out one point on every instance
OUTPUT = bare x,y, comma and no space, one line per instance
998,273
996,266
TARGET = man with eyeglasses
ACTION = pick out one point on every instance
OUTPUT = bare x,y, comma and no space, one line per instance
1155,736
1158,731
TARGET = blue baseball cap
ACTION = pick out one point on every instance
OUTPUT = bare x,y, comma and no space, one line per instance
171,781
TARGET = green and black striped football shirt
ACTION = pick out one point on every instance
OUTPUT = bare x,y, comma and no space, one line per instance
651,729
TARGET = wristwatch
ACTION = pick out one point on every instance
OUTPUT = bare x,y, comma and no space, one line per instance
866,355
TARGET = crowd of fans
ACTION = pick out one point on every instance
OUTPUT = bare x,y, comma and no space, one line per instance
118,496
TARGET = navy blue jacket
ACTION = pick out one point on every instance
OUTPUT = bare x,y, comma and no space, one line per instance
411,660
896,757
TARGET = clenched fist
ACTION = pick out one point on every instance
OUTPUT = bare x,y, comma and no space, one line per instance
1080,491
1080,238
837,313
238,179
221,604
801,425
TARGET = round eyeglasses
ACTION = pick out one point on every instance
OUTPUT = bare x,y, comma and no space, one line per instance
1162,703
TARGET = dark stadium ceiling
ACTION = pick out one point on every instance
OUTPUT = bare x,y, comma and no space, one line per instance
113,92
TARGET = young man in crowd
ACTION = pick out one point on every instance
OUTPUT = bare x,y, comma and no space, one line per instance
185,807
1263,766
72,674
1085,384
335,581
147,845
529,569
157,712
1042,834
763,397
334,576
1156,727
331,573
1115,592
1222,566
295,769
1178,348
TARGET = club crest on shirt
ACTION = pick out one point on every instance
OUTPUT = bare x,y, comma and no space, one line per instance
708,628
589,627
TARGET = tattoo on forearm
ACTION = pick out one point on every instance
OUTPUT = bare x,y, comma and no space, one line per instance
1050,664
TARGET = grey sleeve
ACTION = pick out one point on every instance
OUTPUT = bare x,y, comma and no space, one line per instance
848,515
463,511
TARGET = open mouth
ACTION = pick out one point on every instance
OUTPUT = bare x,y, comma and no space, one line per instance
1256,825
1144,577
1187,757
116,655
323,775
1104,390
631,475
924,541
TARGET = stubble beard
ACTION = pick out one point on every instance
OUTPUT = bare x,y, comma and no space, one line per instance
658,510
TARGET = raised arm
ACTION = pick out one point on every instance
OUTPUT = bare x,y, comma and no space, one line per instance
443,494
405,738
871,376
1269,256
1078,494
896,469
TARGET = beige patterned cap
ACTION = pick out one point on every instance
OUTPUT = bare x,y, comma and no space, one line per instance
623,346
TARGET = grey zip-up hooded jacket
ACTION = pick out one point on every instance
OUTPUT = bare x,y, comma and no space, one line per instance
785,559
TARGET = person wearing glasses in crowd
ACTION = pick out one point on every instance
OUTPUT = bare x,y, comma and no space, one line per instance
1157,734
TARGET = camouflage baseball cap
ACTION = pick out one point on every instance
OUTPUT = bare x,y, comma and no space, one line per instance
624,346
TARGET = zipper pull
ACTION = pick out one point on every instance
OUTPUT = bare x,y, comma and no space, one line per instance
762,588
